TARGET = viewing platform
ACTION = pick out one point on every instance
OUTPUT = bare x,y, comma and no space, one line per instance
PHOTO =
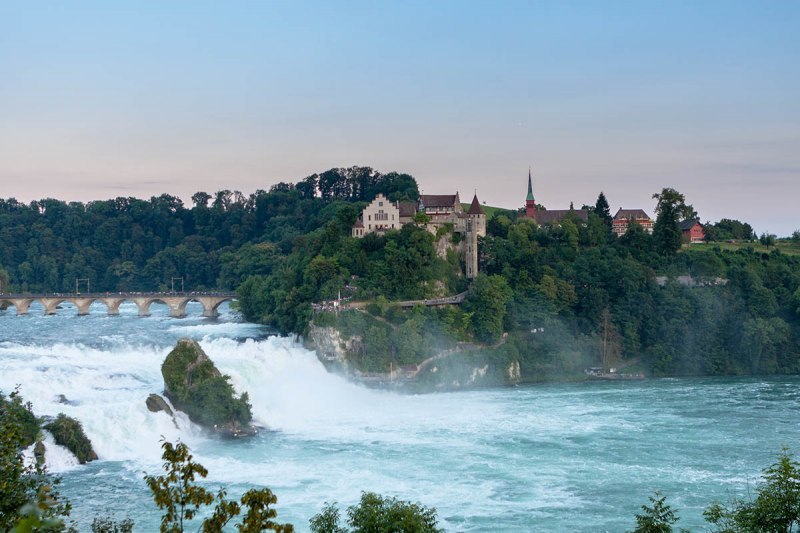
175,301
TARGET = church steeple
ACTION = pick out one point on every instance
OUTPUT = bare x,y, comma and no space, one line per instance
530,203
530,187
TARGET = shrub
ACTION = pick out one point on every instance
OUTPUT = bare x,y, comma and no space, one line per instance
68,432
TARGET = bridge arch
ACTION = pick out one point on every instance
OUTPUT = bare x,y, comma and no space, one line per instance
144,305
20,305
211,304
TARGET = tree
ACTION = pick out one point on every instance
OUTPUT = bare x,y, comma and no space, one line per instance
327,520
656,518
776,507
200,199
3,280
486,300
178,494
107,524
376,513
28,497
602,209
671,209
767,239
796,302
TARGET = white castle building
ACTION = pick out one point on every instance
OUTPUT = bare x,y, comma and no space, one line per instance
381,216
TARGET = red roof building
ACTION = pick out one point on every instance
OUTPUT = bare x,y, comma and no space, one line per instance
624,217
549,216
692,231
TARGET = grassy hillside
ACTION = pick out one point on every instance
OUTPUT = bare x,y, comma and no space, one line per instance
786,247
489,210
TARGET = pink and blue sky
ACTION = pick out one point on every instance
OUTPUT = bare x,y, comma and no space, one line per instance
106,99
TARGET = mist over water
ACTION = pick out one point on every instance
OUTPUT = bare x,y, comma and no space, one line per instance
577,457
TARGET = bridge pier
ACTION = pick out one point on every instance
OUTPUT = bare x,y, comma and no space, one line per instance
211,305
83,305
113,305
50,305
21,305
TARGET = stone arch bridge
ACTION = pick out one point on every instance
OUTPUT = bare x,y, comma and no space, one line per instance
175,301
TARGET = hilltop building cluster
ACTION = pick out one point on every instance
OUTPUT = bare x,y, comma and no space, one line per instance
382,215
692,230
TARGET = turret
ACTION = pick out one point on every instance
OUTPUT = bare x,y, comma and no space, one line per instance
478,217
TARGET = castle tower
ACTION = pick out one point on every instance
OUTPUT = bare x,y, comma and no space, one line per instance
476,227
530,203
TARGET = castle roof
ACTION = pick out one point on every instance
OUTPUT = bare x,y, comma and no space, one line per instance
636,214
475,208
686,225
549,216
359,223
438,200
407,209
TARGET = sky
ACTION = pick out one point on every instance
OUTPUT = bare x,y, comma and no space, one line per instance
107,99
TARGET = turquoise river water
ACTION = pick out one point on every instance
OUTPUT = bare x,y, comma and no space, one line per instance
560,457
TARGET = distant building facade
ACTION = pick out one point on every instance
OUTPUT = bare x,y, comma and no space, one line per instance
381,215
692,231
625,217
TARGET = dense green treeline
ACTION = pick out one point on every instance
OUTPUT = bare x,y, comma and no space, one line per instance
564,294
749,323
132,244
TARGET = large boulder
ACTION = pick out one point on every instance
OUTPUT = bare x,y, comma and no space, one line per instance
68,432
156,403
195,386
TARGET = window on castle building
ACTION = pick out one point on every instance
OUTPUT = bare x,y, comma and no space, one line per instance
380,204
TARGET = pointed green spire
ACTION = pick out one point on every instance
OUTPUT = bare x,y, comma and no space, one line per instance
530,186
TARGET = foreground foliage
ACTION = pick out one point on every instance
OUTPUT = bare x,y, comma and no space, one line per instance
181,499
29,499
376,513
776,506
658,517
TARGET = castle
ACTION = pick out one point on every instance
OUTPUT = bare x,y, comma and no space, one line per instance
382,215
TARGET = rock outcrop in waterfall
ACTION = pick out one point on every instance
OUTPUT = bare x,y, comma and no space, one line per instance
195,386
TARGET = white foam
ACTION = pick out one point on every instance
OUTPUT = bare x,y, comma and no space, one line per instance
57,458
105,390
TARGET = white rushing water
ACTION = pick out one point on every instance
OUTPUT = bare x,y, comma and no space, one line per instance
578,457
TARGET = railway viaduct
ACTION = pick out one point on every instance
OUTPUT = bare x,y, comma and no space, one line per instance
143,300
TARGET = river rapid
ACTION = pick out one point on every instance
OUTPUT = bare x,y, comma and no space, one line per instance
560,457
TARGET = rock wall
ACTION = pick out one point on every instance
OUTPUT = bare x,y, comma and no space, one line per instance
330,344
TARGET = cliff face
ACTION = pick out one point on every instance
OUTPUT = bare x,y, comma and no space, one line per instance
330,344
195,386
458,368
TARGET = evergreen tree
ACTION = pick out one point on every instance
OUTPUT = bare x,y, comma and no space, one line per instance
657,518
602,209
